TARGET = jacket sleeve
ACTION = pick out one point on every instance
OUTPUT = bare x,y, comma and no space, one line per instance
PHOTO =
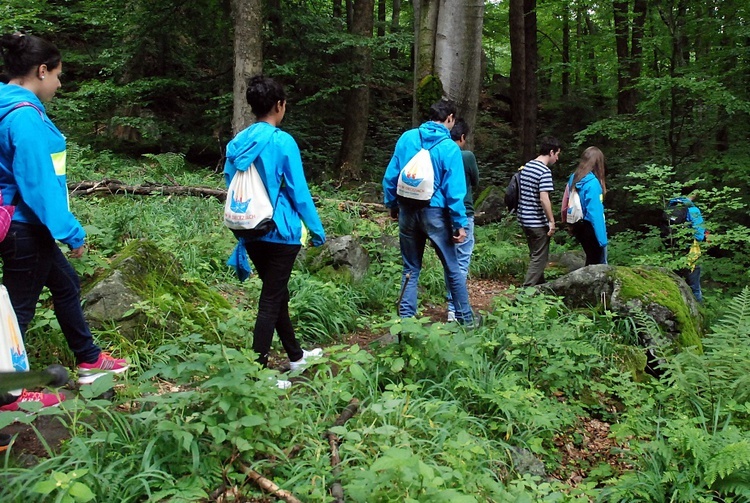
42,189
594,208
473,170
299,192
453,183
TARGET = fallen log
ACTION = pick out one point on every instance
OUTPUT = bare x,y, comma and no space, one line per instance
109,186
267,485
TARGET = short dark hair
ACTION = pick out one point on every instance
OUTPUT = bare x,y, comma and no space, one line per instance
460,128
262,94
21,53
440,111
549,143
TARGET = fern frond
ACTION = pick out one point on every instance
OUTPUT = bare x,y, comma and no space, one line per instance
729,460
736,320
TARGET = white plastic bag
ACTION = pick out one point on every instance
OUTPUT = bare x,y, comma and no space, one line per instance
248,206
575,210
12,350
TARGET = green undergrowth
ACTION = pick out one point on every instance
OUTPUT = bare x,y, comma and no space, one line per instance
444,415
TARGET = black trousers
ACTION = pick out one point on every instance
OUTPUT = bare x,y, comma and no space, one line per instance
273,263
583,231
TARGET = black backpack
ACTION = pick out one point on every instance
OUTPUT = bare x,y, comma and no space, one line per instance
674,229
513,192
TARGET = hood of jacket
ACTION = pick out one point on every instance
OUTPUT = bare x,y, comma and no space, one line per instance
11,95
433,133
583,181
248,144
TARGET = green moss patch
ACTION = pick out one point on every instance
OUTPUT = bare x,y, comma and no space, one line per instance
652,285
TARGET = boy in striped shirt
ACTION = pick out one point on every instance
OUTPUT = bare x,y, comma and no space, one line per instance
535,209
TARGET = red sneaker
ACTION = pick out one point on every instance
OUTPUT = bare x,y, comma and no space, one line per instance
46,399
90,372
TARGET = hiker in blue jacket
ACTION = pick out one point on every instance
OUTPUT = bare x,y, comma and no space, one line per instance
32,178
692,216
589,181
441,220
277,158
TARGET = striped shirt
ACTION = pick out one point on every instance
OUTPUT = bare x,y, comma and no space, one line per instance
535,177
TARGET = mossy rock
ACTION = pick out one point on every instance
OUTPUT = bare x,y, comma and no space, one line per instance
341,259
656,292
633,360
143,289
664,296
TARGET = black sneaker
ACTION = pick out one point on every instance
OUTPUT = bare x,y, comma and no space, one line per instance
4,442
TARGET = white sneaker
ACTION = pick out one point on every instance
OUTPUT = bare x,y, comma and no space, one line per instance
306,357
283,384
452,316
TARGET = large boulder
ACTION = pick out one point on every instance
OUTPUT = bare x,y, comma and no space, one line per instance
657,292
143,288
490,205
342,257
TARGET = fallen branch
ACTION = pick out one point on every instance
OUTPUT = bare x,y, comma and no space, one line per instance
109,186
333,440
267,485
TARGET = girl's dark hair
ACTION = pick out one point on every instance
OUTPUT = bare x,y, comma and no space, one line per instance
262,94
22,53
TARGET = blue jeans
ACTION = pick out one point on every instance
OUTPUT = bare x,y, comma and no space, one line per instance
416,226
463,253
693,279
31,261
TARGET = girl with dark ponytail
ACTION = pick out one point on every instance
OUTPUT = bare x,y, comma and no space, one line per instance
33,179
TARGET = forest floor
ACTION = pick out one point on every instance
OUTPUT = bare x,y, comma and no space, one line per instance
586,447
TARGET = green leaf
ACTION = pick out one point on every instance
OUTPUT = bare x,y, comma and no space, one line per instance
45,486
358,373
250,421
81,492
397,365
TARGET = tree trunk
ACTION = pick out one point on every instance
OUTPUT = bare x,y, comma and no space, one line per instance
628,55
458,54
395,26
566,51
381,18
338,10
275,17
358,98
425,30
517,68
530,81
248,56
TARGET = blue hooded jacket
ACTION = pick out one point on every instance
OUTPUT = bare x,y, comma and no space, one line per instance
32,166
590,192
279,164
694,216
450,181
